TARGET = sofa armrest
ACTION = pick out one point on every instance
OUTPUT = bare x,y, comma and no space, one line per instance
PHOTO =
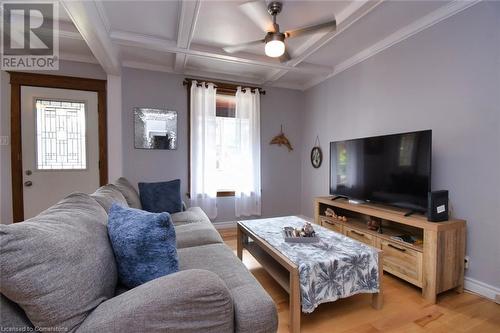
193,300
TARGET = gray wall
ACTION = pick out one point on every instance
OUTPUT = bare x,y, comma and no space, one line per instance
446,78
280,168
65,68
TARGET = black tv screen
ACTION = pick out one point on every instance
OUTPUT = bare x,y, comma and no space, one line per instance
393,169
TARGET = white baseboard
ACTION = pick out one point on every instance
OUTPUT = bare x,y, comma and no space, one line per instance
481,288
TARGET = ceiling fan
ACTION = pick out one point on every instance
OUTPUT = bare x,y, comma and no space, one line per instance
274,40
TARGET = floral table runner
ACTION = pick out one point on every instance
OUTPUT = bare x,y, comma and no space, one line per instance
335,267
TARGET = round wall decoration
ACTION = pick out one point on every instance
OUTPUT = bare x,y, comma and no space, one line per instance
316,154
316,157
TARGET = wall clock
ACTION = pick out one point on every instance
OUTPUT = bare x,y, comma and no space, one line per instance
316,157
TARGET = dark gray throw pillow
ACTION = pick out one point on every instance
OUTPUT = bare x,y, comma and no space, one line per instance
129,192
161,197
107,195
59,265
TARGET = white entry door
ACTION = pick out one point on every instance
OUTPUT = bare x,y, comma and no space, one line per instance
60,145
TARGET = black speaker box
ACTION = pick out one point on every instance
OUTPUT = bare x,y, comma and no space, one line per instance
437,206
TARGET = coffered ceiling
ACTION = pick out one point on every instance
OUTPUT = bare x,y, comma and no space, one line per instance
187,36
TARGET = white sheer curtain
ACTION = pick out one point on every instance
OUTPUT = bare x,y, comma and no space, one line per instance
203,158
248,188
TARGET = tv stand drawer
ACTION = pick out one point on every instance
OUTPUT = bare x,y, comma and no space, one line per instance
402,261
332,225
361,236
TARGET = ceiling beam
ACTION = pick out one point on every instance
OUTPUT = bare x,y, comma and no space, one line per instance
169,46
352,13
187,23
86,17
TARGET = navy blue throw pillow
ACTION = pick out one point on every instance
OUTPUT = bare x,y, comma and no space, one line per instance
143,243
161,197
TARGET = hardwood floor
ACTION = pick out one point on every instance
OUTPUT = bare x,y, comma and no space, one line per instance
404,309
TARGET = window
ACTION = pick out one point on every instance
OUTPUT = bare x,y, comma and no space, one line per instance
224,147
227,142
60,135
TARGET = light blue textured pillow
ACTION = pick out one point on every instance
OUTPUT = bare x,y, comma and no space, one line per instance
143,243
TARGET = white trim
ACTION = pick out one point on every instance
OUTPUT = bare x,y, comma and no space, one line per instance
102,14
481,288
77,57
200,74
188,17
170,46
400,35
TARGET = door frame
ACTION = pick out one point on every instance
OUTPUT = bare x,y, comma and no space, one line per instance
19,79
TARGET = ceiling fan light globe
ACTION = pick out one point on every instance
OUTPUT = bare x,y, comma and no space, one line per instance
274,48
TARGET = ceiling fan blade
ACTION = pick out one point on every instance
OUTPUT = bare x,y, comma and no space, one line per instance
242,46
285,57
257,12
326,26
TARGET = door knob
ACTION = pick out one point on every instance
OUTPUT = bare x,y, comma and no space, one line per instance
28,183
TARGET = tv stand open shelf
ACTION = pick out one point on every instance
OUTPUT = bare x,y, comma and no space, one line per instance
435,264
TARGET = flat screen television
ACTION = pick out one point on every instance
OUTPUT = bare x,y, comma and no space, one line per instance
392,169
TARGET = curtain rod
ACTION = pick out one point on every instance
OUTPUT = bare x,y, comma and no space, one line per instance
223,86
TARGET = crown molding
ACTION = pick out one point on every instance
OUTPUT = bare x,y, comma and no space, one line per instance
400,35
89,59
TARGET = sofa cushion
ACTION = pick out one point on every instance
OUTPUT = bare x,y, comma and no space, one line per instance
107,195
195,234
143,243
191,215
161,196
129,192
254,309
13,317
59,265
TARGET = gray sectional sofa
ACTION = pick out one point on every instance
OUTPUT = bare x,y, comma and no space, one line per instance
58,272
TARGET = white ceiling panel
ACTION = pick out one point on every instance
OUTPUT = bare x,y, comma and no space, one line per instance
151,57
381,22
153,18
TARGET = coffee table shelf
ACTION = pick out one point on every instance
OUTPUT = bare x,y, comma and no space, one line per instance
271,266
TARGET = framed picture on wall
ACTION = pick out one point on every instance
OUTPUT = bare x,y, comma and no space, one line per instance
155,128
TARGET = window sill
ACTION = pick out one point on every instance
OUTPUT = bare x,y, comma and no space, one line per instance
220,194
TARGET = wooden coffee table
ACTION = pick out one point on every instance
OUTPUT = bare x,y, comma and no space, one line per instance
285,272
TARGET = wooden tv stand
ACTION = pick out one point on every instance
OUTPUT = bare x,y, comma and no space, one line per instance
435,265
